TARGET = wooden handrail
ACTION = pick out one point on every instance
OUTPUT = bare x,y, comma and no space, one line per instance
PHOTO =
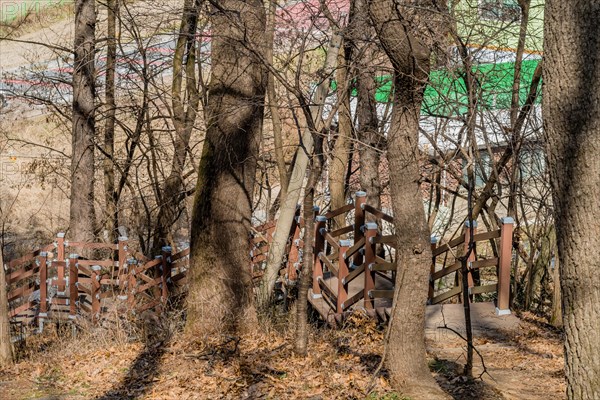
378,213
339,211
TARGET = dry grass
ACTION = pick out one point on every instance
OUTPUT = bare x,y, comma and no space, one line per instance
155,360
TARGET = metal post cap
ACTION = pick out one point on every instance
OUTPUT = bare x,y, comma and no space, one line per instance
507,220
360,193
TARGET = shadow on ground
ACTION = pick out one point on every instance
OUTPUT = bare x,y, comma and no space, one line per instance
450,379
140,377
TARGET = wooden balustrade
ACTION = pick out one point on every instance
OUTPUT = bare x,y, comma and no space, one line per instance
352,266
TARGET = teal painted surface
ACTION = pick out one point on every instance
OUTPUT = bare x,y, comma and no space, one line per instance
446,93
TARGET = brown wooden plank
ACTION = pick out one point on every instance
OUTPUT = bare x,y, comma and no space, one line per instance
329,264
94,246
383,275
21,274
149,264
457,241
259,258
179,276
22,308
180,255
446,295
22,291
378,213
489,262
86,271
328,295
26,259
352,275
356,247
446,271
147,306
385,239
381,294
91,263
353,300
480,237
387,266
331,240
484,289
339,211
84,289
85,307
441,249
147,286
342,231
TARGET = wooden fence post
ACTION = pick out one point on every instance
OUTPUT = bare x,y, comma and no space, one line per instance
43,260
342,293
432,271
504,265
360,198
319,247
60,246
370,232
166,273
73,285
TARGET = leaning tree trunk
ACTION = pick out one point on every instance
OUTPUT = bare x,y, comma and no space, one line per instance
220,296
82,215
409,51
571,110
6,355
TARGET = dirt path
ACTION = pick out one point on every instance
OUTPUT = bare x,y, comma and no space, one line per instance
522,363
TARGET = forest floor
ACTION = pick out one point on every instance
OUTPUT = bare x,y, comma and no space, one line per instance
521,364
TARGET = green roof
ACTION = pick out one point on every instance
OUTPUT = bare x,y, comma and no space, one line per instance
446,93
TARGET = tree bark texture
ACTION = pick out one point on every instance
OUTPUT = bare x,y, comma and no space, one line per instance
399,26
296,182
82,215
370,139
184,91
571,110
341,150
112,221
220,295
6,355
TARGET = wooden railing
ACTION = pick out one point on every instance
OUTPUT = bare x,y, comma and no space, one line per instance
349,253
354,264
447,273
48,284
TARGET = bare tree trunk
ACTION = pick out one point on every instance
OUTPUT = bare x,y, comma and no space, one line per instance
220,295
409,50
82,215
6,354
112,221
571,110
341,150
301,339
273,106
288,207
369,139
184,90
